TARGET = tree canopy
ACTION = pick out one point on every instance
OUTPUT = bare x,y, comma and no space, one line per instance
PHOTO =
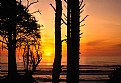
27,28
18,28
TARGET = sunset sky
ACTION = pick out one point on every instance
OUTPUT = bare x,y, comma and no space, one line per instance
103,28
101,33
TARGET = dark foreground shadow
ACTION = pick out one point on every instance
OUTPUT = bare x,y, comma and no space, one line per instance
19,79
115,76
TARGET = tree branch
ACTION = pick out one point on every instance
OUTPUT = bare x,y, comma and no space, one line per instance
53,7
3,42
82,7
81,11
36,12
63,21
82,25
55,11
64,15
80,3
84,19
28,5
4,47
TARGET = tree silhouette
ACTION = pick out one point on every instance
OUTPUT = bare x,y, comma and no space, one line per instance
74,9
8,30
15,27
31,58
69,48
74,58
57,60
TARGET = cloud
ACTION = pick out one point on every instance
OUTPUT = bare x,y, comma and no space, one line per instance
95,42
117,45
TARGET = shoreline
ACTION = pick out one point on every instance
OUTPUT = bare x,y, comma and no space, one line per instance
88,73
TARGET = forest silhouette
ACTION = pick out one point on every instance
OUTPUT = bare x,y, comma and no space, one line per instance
19,29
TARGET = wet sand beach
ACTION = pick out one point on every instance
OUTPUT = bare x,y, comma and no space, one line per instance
88,73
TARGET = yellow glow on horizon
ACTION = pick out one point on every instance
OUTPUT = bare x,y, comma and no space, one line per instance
48,54
48,51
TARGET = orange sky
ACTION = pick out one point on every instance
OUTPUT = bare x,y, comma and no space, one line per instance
101,34
102,31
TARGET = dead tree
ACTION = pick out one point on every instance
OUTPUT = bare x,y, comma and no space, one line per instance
74,71
74,9
69,48
57,60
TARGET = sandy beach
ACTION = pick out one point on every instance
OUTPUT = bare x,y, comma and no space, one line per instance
88,73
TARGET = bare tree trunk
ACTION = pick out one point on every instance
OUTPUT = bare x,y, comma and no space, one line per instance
73,41
57,60
69,46
12,68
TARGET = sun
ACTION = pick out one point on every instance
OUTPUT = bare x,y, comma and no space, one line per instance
48,53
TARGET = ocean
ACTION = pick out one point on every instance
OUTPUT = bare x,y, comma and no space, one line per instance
91,68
